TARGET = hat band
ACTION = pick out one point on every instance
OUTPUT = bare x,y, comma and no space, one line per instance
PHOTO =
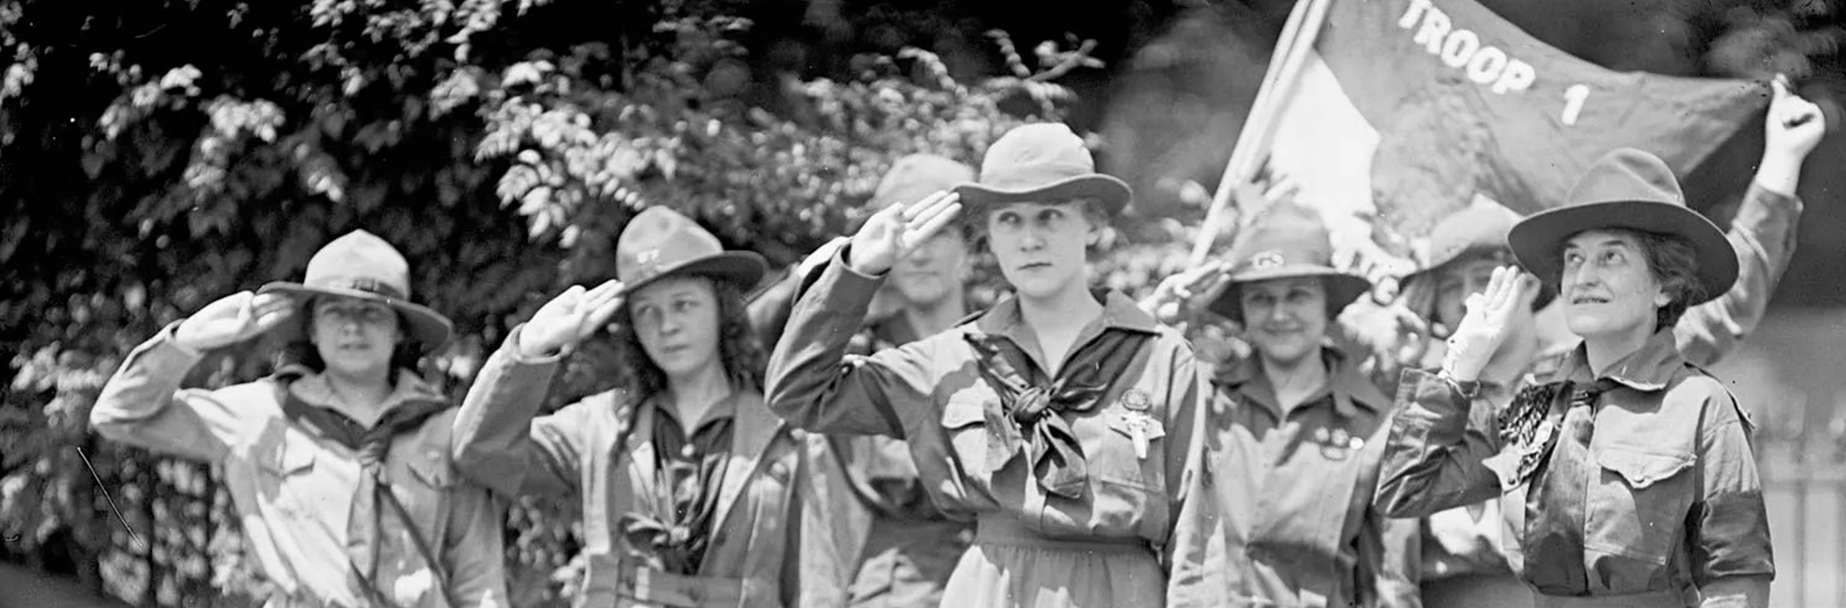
365,284
1029,177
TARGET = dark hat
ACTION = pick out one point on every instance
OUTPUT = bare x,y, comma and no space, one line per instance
362,266
659,242
1042,162
916,176
1630,189
1287,240
1479,228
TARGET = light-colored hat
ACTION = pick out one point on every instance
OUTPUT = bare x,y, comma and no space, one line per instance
362,266
1287,240
659,242
1042,162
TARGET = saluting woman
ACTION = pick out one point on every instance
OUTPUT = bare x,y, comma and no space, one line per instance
338,464
1294,436
1061,420
1627,473
687,483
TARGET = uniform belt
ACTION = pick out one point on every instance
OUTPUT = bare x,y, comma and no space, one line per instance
651,586
1009,531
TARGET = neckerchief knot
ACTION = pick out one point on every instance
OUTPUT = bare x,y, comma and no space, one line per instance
1036,407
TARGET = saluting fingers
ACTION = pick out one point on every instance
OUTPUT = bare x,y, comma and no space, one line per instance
927,225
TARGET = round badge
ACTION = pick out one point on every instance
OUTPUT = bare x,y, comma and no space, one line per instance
1136,400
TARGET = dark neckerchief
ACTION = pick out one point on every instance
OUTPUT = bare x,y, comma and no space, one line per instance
1522,424
676,526
1035,405
370,444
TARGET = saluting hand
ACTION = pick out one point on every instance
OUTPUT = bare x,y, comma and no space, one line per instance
1495,315
569,318
890,234
232,319
1178,295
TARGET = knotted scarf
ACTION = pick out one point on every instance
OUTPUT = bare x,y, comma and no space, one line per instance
673,526
1522,424
370,445
1031,405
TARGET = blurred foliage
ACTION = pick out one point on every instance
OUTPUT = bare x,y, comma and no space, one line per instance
160,154
156,156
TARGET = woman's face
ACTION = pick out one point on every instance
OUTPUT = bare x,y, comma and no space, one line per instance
1285,319
677,322
932,272
354,337
1041,246
1607,287
1458,280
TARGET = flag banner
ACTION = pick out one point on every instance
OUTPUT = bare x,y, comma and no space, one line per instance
1403,111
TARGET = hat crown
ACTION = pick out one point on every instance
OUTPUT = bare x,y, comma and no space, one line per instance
1034,155
1283,234
918,175
1483,224
360,260
1627,174
657,240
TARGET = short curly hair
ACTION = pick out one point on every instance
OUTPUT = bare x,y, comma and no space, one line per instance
1671,260
742,356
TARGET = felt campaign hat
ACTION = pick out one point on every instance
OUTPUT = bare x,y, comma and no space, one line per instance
362,266
1479,229
659,243
1287,240
1041,162
916,176
1630,189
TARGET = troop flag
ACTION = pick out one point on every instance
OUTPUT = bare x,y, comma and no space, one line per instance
1390,114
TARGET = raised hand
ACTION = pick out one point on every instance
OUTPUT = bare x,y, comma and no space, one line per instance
1794,125
890,234
569,318
1178,294
1493,316
232,319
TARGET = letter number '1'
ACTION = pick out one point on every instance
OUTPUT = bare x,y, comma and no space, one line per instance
1573,103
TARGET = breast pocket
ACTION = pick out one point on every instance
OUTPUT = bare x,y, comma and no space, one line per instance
964,420
1638,504
426,487
286,479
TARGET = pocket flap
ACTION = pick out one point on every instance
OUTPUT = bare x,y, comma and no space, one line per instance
290,455
431,469
1640,468
963,413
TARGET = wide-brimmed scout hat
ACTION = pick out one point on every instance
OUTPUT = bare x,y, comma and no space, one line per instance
362,266
1479,229
1041,162
1631,189
1287,240
659,242
916,176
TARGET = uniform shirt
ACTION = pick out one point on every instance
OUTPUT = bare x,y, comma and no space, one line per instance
689,474
606,452
1651,485
932,393
1292,492
305,507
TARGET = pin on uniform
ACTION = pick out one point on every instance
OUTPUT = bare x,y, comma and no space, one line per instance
1140,426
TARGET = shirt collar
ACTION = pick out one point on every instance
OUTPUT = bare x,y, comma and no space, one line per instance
1118,312
315,390
1352,394
1649,369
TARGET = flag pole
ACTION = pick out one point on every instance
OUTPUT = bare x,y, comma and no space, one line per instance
1297,40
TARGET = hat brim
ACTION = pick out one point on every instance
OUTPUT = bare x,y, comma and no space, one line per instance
1111,192
1342,288
430,329
1426,279
1537,239
745,269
